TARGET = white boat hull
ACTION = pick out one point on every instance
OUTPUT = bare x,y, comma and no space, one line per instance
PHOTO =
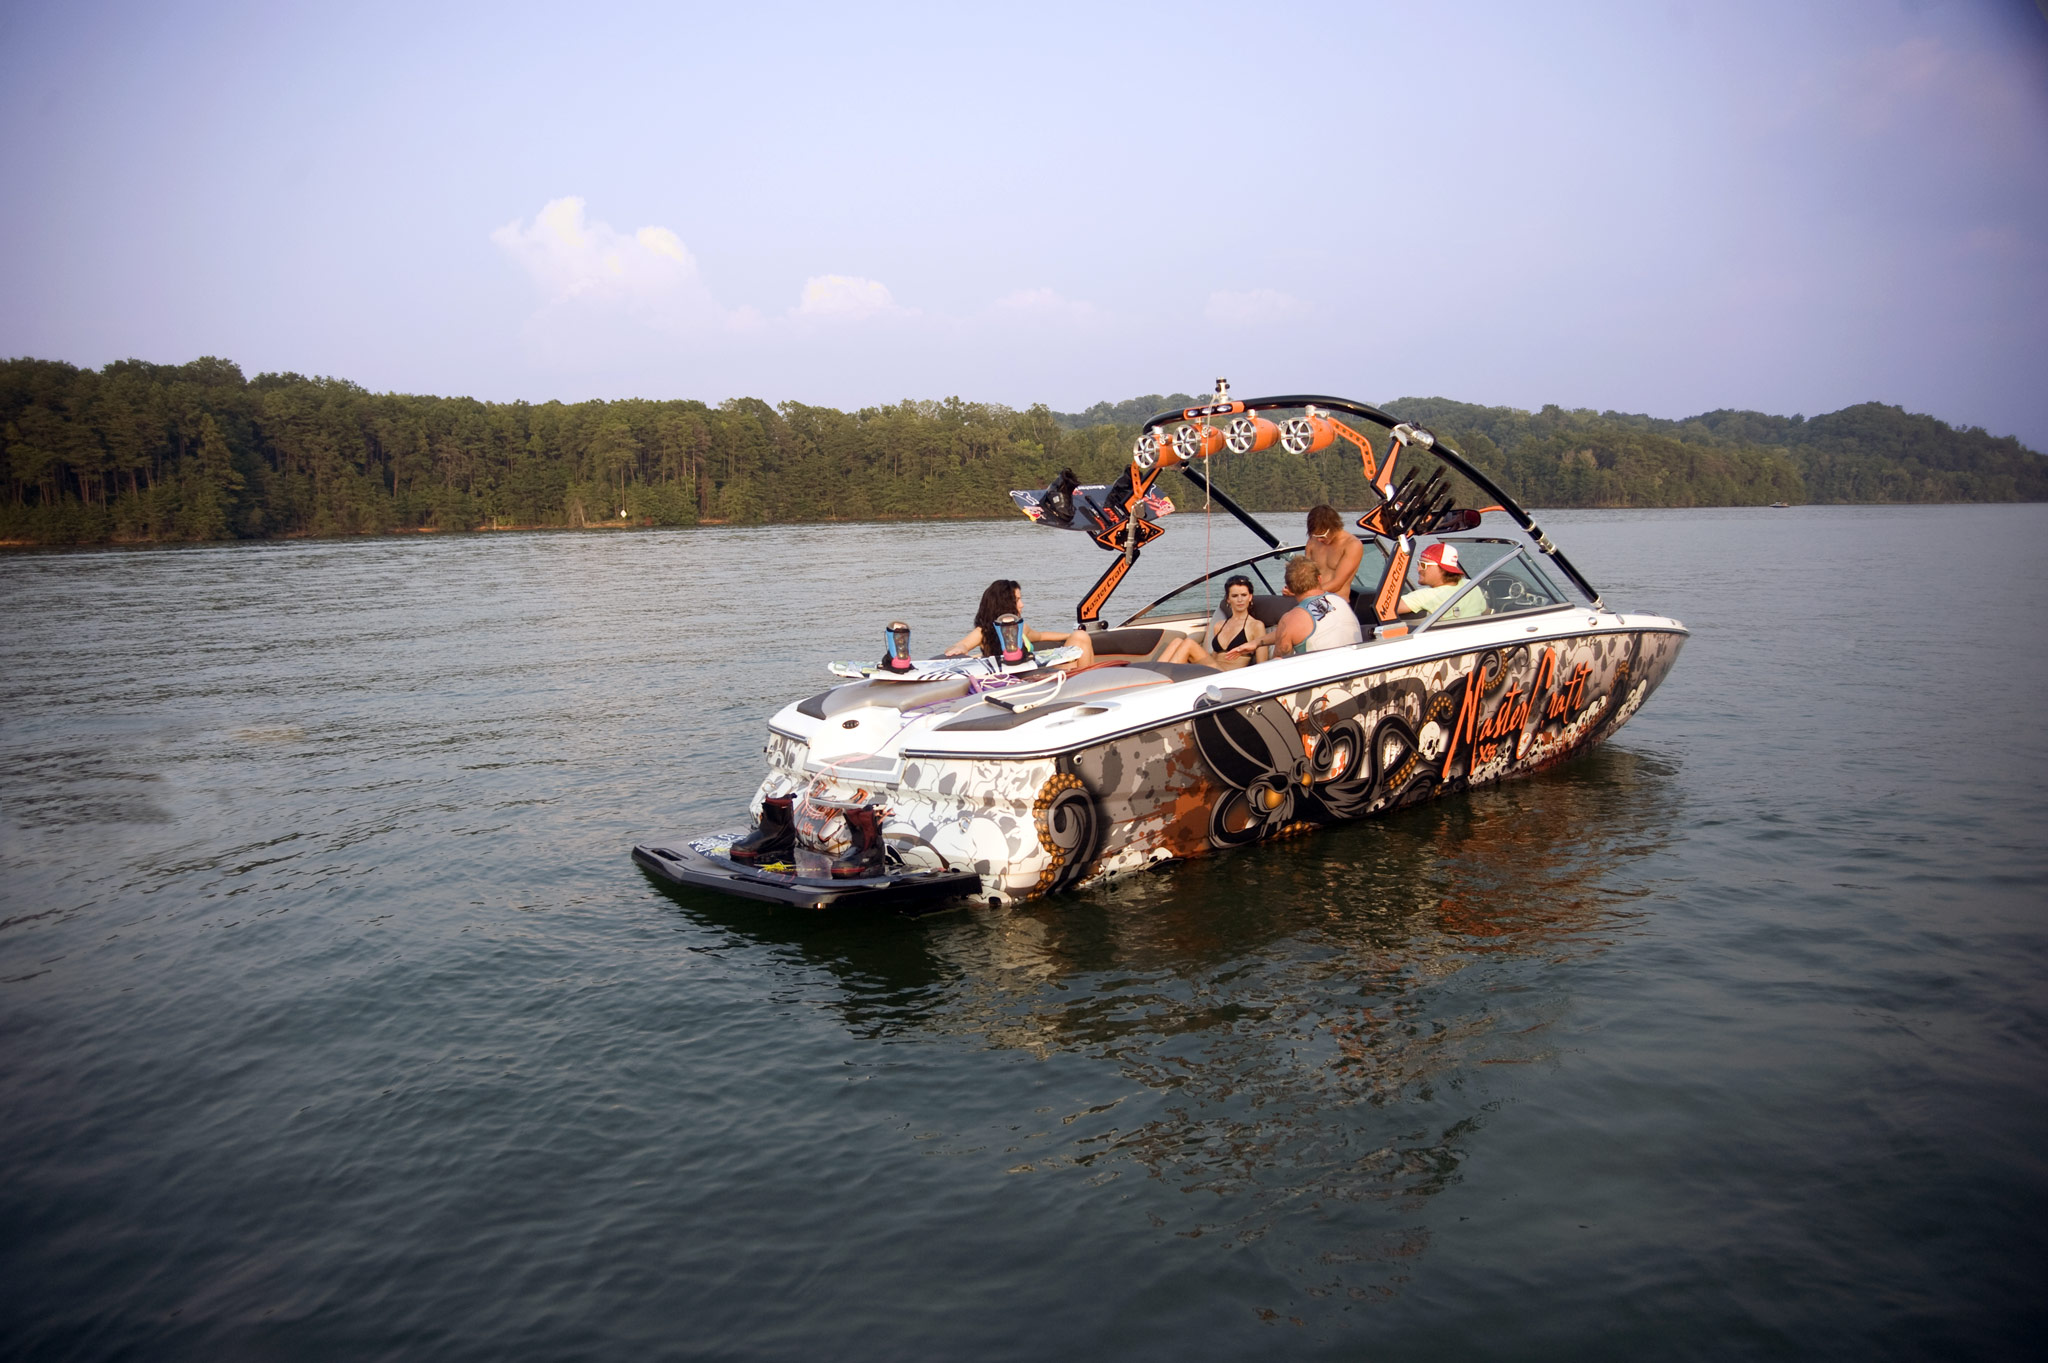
1135,765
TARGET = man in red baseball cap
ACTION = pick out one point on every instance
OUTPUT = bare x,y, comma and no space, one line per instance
1440,576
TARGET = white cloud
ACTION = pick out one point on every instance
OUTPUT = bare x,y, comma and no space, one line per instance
663,242
1253,307
611,300
571,257
1048,305
845,296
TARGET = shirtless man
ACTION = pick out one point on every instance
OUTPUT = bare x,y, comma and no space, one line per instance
1334,550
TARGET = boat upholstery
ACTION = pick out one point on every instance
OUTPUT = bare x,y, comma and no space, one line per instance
1130,645
1123,676
1267,610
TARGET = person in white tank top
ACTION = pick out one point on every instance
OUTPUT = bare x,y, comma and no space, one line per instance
1319,620
1336,624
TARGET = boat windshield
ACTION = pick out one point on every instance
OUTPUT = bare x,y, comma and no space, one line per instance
1529,583
1525,583
1268,572
1503,578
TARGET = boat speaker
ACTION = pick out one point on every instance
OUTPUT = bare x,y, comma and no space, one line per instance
1307,434
1197,442
1250,434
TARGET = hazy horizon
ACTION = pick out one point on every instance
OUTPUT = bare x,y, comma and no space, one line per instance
1664,211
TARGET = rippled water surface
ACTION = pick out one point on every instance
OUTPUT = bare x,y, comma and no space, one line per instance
334,1020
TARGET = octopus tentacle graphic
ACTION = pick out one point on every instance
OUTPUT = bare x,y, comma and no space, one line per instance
1065,815
1256,751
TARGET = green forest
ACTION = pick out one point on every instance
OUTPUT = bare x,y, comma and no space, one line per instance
139,452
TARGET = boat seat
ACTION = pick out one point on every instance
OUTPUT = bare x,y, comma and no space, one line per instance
1123,676
1177,671
1130,645
1267,610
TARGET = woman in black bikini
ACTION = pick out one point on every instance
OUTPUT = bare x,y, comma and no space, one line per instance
1235,629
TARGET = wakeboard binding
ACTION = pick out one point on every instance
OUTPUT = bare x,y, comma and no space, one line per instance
774,838
863,855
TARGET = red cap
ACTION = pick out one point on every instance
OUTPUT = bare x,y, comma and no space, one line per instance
1444,556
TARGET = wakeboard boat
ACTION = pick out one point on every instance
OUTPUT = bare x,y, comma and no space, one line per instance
1010,777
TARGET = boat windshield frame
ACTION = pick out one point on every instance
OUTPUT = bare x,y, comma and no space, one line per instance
1518,545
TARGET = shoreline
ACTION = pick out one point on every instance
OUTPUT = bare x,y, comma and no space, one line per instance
641,524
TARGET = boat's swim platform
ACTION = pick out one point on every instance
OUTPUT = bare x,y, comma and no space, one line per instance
701,864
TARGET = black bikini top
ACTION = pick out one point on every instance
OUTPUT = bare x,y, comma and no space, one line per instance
1217,646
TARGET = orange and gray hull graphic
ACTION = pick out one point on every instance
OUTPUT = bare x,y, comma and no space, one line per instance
1233,775
1244,767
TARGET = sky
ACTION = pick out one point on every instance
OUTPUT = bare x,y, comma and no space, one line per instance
1652,207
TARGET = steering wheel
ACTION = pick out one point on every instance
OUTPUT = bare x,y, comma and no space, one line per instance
1507,594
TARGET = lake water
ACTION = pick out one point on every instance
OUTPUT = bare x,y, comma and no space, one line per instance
335,1022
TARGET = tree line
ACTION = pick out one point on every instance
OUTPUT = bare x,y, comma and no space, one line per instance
1867,453
146,452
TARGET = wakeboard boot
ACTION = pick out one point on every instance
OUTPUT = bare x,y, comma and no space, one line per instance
773,838
863,856
1058,502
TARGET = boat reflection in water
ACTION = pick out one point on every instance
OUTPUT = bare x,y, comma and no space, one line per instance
1307,1034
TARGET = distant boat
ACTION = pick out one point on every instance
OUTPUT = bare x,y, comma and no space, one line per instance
1781,506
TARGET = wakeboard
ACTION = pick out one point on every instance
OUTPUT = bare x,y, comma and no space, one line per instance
953,669
1091,509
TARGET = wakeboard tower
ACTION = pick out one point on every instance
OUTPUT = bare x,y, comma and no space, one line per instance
919,781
